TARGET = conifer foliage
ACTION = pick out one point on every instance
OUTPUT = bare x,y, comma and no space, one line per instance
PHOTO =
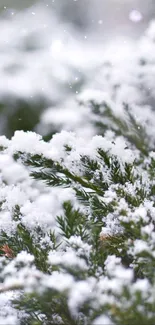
77,212
83,253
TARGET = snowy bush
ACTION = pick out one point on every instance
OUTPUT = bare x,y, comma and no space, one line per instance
77,212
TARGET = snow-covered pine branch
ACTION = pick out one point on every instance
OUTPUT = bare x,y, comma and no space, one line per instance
80,222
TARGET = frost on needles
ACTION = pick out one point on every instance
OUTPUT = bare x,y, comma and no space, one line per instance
78,216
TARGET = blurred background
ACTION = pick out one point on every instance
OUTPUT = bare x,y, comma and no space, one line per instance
51,49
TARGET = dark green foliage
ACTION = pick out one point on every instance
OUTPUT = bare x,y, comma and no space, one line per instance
24,240
73,223
20,114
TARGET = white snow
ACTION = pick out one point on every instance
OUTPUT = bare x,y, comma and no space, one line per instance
103,319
